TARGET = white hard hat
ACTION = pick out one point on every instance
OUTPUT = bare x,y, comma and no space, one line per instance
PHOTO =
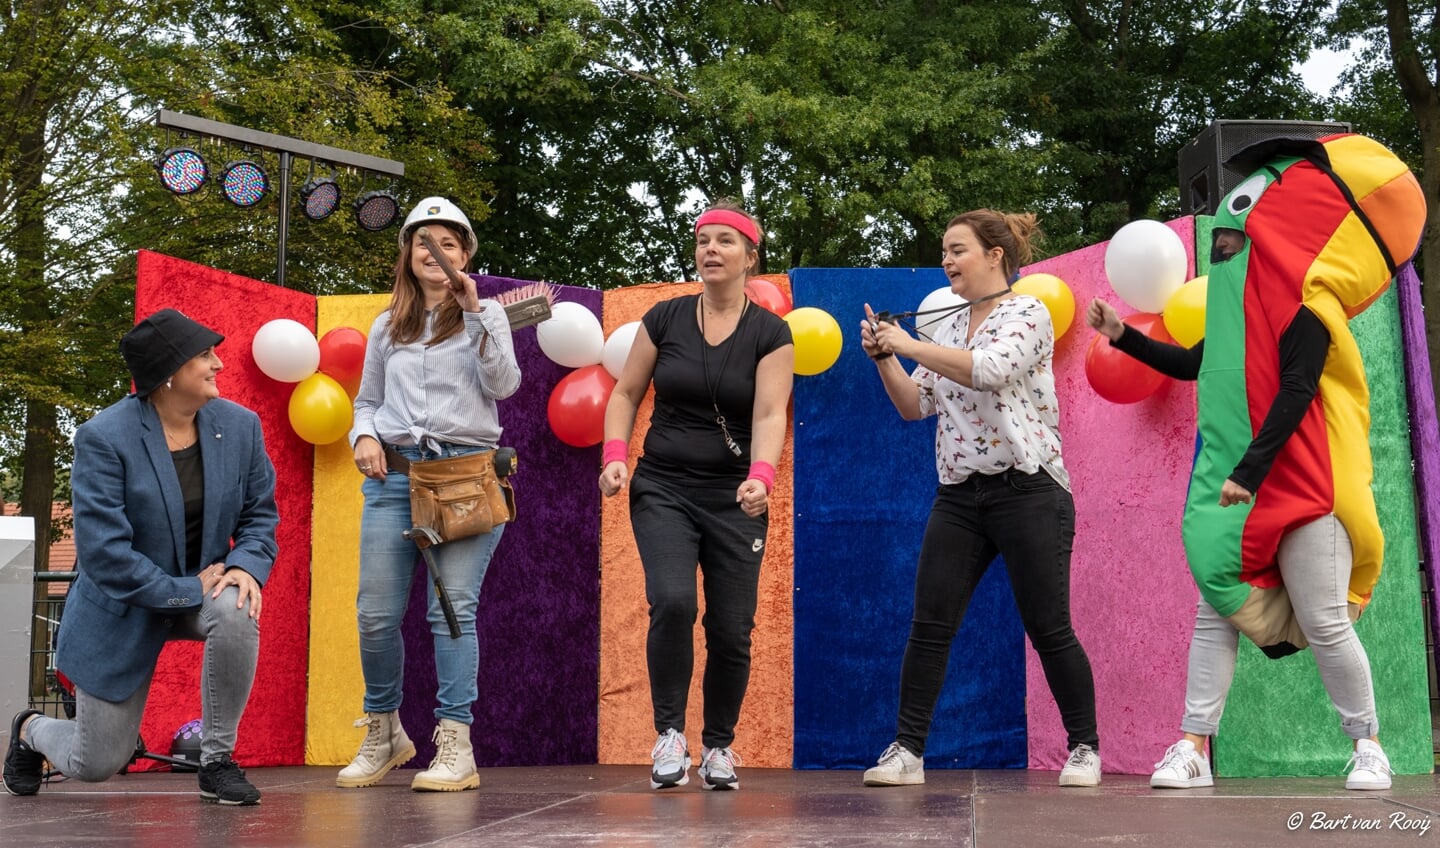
439,210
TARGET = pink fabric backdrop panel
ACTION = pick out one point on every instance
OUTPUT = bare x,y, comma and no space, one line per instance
1132,599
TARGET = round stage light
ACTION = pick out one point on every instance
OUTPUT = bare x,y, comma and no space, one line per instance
320,197
244,183
376,210
182,170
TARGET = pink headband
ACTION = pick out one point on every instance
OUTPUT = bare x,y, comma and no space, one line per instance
730,218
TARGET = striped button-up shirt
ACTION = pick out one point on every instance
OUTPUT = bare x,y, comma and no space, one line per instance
412,394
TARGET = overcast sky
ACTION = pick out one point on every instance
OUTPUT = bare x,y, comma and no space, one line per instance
1322,70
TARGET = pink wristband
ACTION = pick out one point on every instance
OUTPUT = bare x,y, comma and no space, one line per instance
764,472
616,450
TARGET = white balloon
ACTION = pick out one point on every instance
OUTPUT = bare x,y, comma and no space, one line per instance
1146,263
285,350
941,298
617,348
571,336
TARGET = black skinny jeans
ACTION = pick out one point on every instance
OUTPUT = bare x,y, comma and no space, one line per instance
1030,520
675,529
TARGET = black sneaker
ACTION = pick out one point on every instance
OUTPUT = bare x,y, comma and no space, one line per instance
24,766
223,782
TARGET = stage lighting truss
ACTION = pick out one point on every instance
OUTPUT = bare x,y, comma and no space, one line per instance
376,210
319,197
182,170
244,183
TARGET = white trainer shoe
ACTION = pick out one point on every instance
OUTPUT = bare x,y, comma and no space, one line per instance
672,760
1369,767
897,767
717,768
1182,767
1082,769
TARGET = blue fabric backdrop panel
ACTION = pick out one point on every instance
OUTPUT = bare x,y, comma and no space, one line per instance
864,484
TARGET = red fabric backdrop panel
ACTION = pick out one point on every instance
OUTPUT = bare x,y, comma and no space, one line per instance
272,732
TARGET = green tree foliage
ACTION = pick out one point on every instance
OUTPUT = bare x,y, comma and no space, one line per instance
1393,93
582,136
1120,87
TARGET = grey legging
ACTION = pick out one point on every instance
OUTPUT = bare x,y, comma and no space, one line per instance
102,737
1315,565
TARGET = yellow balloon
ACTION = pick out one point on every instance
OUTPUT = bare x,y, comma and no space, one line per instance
1185,312
817,339
1057,297
320,410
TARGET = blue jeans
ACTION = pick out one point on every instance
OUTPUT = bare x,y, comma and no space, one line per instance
388,563
1029,519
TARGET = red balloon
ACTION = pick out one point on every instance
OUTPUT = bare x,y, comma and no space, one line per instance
767,294
1118,377
577,406
342,357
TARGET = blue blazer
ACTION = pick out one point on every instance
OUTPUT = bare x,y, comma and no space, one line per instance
130,535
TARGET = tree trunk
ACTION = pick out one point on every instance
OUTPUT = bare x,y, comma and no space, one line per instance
27,243
1423,99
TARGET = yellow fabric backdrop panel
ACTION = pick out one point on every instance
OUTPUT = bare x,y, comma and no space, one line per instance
763,737
336,688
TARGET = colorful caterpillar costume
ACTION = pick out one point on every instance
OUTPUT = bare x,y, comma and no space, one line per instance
1326,224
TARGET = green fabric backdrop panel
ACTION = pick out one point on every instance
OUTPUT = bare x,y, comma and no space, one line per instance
1279,719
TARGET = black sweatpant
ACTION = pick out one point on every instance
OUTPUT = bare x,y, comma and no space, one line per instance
677,528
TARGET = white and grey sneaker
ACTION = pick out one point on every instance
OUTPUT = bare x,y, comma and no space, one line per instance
1082,769
1182,767
717,768
672,760
897,767
1369,767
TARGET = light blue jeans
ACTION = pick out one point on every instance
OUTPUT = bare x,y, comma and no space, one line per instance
388,565
1315,562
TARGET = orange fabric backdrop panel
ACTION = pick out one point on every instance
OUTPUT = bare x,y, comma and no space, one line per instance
627,730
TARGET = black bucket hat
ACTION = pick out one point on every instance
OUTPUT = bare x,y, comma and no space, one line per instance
155,348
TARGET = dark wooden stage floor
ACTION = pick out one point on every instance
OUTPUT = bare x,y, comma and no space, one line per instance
614,806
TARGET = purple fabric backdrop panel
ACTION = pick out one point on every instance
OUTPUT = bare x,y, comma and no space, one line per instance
1424,432
540,605
1132,599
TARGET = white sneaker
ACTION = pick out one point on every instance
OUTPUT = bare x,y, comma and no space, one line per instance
1182,767
385,747
672,760
453,768
717,768
897,767
1369,767
1082,769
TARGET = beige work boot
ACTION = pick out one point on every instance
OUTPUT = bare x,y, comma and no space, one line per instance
453,768
385,747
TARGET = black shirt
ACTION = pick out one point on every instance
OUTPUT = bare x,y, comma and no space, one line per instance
685,444
192,485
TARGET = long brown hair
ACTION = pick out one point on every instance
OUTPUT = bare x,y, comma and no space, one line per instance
407,299
1013,233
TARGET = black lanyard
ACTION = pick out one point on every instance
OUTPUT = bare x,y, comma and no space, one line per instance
705,363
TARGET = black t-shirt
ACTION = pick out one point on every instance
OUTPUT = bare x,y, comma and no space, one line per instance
685,444
192,486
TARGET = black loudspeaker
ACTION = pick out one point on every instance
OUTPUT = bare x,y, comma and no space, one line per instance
1204,179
